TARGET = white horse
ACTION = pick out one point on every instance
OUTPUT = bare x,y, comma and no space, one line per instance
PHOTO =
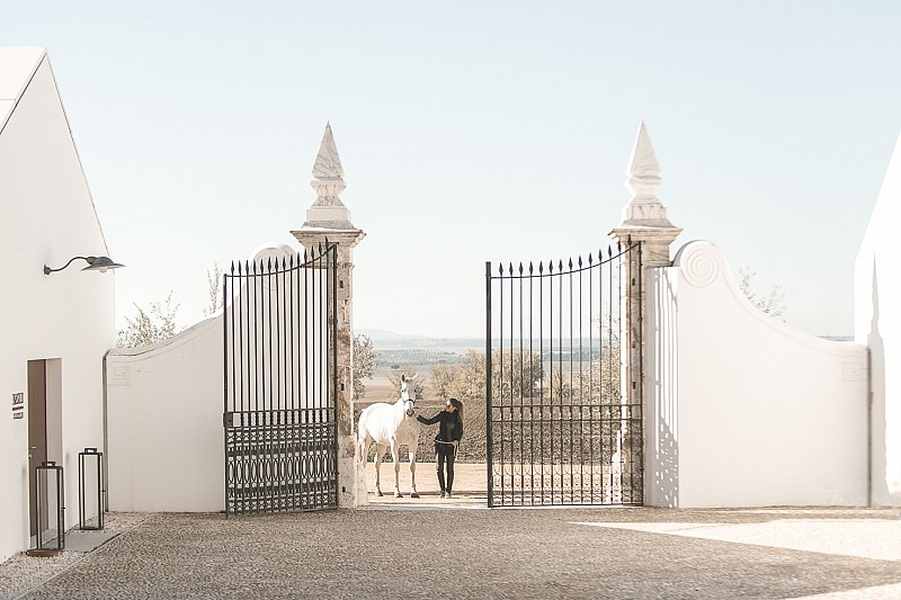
392,426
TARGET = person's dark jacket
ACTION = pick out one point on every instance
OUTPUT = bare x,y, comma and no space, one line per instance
450,426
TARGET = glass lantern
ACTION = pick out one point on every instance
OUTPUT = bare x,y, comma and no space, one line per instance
90,489
51,522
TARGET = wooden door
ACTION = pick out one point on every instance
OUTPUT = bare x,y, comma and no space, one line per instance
37,433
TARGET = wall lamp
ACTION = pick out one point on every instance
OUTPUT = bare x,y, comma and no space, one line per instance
95,263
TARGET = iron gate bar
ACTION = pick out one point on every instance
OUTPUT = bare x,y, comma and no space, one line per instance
609,444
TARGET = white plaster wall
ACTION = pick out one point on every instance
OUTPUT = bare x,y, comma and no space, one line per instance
744,410
164,412
877,323
46,216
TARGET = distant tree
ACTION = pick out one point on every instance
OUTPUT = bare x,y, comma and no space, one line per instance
364,364
149,326
214,290
772,304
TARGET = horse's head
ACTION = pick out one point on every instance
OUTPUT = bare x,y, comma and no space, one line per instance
407,395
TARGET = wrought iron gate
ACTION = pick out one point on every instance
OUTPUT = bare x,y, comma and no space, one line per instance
563,391
280,370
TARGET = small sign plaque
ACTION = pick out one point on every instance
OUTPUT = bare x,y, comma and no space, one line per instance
19,405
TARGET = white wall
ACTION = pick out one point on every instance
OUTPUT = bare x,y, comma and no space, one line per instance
165,423
744,410
46,216
877,323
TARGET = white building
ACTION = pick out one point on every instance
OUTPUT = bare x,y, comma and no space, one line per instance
877,323
55,327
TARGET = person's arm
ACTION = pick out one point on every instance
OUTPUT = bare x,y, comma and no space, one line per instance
429,421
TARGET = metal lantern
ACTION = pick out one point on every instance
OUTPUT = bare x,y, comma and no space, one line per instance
51,522
90,489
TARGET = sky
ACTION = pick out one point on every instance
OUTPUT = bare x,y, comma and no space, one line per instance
474,131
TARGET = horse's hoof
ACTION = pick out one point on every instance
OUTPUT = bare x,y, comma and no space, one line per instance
379,492
414,495
398,495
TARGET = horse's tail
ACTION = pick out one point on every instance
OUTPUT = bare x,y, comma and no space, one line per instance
361,436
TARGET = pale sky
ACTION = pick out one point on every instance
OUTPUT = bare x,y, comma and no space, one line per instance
475,131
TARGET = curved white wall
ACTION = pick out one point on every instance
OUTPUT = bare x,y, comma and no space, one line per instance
742,409
877,323
165,423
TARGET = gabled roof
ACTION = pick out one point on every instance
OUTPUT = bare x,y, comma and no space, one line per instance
17,67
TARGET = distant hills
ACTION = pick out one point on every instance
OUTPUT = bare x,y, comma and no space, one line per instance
385,340
390,340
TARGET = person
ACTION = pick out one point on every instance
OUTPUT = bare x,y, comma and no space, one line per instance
450,432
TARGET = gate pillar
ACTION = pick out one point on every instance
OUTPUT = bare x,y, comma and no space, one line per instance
328,219
645,223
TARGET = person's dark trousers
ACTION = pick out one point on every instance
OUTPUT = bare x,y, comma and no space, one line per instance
445,456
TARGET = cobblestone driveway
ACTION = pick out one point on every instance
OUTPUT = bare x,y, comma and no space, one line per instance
460,554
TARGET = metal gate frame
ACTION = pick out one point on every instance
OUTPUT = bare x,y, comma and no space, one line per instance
573,440
280,375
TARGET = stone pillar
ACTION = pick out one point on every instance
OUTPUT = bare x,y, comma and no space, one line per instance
645,223
328,219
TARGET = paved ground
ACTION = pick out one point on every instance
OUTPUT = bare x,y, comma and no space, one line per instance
543,553
22,573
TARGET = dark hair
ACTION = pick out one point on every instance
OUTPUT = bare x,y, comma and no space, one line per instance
458,405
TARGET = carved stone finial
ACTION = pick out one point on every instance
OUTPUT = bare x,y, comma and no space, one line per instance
328,164
328,176
644,216
643,180
644,170
328,181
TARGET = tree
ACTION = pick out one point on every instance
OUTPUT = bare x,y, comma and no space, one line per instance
150,326
364,364
214,290
772,304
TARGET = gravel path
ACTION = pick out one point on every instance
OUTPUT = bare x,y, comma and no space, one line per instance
462,554
22,573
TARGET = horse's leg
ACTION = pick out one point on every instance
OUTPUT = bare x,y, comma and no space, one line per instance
412,448
379,450
395,455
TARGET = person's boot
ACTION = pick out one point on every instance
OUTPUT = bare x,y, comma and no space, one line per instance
442,493
448,495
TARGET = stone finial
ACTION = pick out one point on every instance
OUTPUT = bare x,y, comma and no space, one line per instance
328,164
644,216
327,210
644,170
